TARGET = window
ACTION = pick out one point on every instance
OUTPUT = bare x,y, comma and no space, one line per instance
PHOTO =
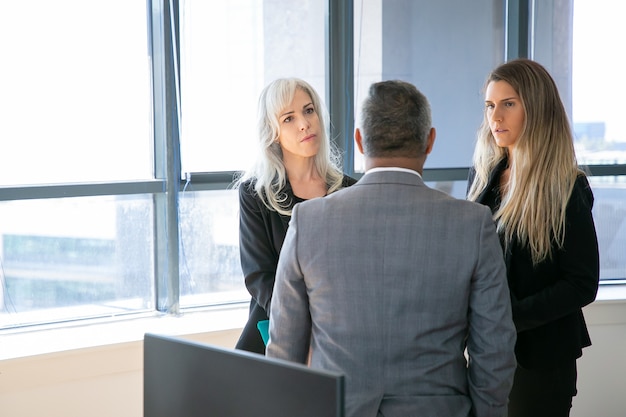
609,212
75,94
229,51
566,36
210,272
597,81
108,209
70,258
75,108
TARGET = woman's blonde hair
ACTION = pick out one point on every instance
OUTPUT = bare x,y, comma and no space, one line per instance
543,167
268,172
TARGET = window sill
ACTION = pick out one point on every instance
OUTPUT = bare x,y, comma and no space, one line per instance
612,291
40,340
17,343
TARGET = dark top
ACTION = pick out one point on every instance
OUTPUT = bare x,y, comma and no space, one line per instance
261,235
547,299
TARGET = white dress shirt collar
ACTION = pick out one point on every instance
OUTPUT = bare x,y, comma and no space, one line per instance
381,169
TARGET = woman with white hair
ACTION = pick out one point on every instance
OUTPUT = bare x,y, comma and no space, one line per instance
296,162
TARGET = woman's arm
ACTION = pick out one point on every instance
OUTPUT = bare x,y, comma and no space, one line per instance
578,268
256,248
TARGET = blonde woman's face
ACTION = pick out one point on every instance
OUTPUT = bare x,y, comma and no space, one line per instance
299,127
505,113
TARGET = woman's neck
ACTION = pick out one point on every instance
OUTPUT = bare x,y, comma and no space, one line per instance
300,169
305,181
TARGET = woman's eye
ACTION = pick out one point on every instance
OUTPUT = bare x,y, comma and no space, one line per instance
489,106
287,119
310,110
509,104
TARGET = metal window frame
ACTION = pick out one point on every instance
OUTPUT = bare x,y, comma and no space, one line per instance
165,50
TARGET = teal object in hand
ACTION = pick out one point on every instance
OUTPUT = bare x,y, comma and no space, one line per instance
264,329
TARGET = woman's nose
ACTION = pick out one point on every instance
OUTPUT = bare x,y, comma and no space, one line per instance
496,114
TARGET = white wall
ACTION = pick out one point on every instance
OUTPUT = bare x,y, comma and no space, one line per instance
97,382
602,368
107,380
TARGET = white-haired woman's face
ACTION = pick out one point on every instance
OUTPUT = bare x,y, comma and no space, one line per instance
299,123
505,112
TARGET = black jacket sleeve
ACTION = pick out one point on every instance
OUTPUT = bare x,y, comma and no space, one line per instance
574,272
258,253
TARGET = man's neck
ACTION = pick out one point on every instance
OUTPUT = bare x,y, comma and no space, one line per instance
415,164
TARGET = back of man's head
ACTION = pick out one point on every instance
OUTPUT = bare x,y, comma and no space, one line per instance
396,120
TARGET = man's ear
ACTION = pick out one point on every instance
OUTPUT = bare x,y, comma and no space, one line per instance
431,140
359,140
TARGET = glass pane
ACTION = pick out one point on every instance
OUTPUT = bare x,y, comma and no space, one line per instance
598,81
229,51
446,48
74,91
571,40
609,212
210,271
74,258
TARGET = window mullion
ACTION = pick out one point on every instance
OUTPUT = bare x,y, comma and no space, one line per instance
340,76
165,65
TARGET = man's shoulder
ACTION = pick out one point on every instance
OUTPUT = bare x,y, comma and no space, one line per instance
472,208
453,209
461,203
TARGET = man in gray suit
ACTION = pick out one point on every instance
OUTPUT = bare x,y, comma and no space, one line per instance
400,287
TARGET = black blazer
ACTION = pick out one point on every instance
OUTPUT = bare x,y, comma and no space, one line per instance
547,299
261,235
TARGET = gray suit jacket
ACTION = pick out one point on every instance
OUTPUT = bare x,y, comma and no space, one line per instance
388,282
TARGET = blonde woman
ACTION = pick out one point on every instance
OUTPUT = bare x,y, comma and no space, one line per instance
295,162
525,170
